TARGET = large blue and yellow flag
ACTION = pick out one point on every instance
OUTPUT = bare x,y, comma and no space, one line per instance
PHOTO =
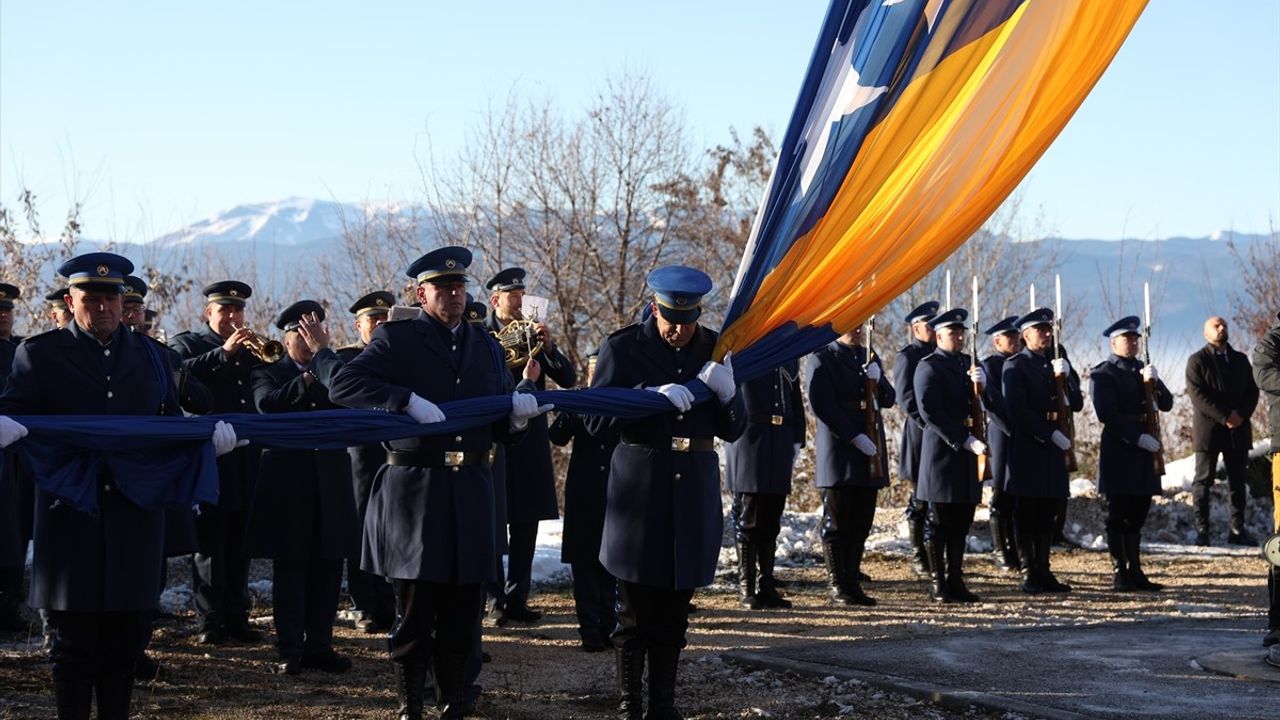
916,119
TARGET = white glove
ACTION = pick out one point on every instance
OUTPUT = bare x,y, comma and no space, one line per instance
874,372
1060,366
1149,373
423,410
719,379
978,375
1062,441
679,396
525,407
865,444
1148,443
975,446
224,438
11,431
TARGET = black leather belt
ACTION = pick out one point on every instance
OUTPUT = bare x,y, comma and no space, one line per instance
765,419
424,459
677,444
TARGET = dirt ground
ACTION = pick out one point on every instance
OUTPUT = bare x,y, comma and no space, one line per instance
539,672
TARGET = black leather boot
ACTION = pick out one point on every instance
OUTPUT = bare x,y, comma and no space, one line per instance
747,576
768,594
72,694
1005,556
1031,584
919,553
1121,579
853,573
955,569
450,686
837,568
411,679
940,590
1044,541
630,684
663,663
1132,542
115,690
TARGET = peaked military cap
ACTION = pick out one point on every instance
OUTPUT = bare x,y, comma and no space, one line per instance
149,314
511,278
135,288
378,302
954,316
97,271
8,293
57,297
288,318
923,312
476,311
446,264
1007,325
1039,316
678,291
1128,325
227,292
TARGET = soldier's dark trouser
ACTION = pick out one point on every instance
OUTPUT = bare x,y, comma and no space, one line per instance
221,575
653,621
949,525
757,520
847,514
96,651
1002,534
1059,523
918,527
1237,462
522,539
10,592
434,626
304,604
594,594
370,594
1273,592
1127,513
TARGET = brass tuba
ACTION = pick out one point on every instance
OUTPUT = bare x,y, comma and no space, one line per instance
519,341
265,349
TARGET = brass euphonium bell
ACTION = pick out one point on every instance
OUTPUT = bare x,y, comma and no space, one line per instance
519,341
265,349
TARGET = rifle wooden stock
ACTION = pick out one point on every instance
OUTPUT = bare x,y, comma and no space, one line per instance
1066,423
1153,423
874,424
978,419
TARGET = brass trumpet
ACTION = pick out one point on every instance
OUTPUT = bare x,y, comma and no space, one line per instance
265,349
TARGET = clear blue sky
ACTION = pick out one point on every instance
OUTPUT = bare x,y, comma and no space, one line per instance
161,112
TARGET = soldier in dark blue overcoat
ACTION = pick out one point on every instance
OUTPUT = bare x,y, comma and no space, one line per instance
846,449
216,355
13,541
303,515
95,573
1126,468
1007,341
371,595
585,485
430,522
758,473
530,477
663,523
904,371
949,480
1036,470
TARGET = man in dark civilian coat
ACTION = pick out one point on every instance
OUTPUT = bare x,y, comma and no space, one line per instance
949,481
371,595
216,355
758,473
1007,341
430,522
96,573
530,477
594,589
846,449
1126,468
303,515
1224,395
1037,471
904,370
663,524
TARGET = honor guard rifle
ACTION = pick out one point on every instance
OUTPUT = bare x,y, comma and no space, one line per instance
871,407
1066,423
1149,386
977,413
